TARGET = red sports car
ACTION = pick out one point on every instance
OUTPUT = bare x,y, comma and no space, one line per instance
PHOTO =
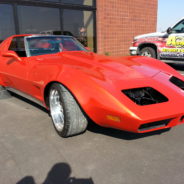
134,93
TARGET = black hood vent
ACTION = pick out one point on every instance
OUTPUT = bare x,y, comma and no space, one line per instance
145,96
177,82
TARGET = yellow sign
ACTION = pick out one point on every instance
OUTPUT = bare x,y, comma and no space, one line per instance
172,50
176,41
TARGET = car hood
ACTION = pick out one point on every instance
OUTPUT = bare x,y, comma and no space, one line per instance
155,34
109,68
109,72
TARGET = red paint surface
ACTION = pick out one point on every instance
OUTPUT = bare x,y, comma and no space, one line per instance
96,82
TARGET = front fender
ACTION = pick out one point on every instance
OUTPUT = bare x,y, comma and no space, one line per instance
96,100
155,63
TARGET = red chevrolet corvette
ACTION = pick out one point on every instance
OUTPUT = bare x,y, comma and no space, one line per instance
134,93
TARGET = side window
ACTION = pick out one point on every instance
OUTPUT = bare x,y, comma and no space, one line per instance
17,45
179,28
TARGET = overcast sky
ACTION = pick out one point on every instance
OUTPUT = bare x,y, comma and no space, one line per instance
169,12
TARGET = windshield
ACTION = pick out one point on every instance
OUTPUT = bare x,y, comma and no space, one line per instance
178,28
39,45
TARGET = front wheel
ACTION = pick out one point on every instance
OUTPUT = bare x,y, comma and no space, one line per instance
68,118
148,51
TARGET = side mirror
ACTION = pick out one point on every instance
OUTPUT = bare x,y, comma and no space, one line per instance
169,30
13,54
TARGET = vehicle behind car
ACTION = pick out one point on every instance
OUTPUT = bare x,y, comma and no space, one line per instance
167,46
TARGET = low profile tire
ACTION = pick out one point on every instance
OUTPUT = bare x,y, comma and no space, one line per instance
148,51
4,94
68,118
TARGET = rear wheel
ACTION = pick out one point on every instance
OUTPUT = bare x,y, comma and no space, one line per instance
68,118
4,94
148,51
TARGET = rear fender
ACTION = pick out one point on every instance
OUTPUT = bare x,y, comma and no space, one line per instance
1,81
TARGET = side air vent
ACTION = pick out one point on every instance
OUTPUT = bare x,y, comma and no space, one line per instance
145,96
177,82
153,125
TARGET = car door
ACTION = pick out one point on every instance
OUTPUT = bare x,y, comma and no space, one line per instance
174,45
16,73
16,68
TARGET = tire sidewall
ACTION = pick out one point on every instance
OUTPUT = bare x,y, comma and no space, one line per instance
75,120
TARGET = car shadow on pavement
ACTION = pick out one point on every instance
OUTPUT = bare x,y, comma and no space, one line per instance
101,130
59,174
29,102
120,134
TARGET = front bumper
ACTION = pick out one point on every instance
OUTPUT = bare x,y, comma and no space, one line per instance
133,51
129,116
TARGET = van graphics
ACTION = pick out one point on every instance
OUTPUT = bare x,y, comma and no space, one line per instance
174,47
175,41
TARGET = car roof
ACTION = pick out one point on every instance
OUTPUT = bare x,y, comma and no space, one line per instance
37,35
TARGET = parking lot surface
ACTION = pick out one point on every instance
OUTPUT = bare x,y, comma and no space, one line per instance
31,152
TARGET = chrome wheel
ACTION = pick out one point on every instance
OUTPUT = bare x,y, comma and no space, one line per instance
56,110
149,52
146,53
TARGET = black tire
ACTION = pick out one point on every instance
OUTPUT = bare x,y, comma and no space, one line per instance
4,94
74,121
148,51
